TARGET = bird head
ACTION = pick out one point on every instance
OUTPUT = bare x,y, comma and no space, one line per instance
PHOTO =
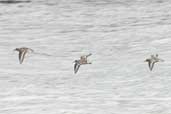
147,60
76,61
16,49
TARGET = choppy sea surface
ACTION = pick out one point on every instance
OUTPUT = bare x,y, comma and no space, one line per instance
120,34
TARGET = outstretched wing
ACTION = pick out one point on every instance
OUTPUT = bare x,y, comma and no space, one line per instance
161,60
22,55
149,65
76,67
19,56
31,50
88,55
152,65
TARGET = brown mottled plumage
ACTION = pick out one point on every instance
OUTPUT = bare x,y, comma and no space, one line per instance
22,52
81,61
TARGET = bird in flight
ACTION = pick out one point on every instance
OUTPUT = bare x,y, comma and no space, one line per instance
81,61
22,52
151,61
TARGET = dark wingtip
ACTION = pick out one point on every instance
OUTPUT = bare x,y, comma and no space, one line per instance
89,54
75,72
21,62
151,69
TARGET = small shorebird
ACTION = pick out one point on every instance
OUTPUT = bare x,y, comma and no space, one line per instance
151,61
81,61
22,52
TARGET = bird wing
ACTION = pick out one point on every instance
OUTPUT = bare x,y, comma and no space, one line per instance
22,55
76,67
19,56
88,55
161,60
31,50
149,65
152,65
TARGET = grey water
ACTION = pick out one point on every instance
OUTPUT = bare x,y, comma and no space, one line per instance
120,34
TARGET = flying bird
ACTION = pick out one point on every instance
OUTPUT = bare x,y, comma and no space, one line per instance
81,61
151,61
22,52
